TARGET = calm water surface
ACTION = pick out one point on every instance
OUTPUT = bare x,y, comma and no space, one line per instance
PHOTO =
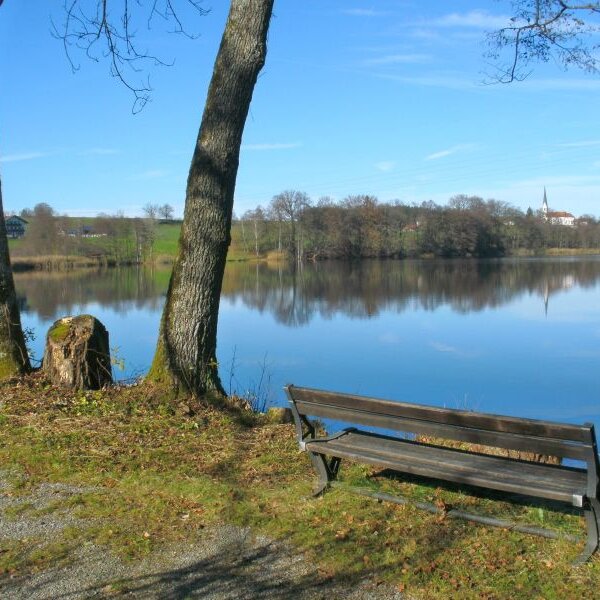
509,336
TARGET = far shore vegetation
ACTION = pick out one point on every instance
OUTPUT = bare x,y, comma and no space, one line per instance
156,474
293,226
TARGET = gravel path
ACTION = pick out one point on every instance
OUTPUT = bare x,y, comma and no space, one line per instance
227,563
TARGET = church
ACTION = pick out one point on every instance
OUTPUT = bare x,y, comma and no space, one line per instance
556,217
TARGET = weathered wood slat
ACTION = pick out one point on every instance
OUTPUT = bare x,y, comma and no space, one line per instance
553,447
447,416
562,479
442,472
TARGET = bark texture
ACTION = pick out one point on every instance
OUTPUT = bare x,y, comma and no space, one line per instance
14,359
77,353
186,350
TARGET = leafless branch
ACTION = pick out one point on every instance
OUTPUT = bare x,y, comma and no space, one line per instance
105,30
541,30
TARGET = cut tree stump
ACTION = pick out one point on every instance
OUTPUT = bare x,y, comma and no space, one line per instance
77,353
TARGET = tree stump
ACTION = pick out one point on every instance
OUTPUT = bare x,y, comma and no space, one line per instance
77,353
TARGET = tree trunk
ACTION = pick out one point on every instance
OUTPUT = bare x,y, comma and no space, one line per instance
14,359
77,353
186,351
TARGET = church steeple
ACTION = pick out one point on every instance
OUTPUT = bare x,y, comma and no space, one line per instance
545,205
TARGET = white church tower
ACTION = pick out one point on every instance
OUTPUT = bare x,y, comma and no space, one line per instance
545,206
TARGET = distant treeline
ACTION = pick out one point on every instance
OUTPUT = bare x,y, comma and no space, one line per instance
363,227
294,226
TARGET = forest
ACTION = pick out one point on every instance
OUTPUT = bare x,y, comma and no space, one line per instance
294,226
362,227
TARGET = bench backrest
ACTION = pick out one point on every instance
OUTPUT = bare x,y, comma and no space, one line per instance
530,435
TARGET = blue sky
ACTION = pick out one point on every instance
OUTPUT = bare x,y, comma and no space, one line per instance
385,98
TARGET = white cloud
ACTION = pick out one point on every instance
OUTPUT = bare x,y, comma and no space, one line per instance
385,165
398,59
448,81
449,151
389,338
480,19
364,12
581,144
447,349
276,146
99,152
23,156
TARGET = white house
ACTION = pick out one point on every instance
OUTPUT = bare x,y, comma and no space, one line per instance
556,217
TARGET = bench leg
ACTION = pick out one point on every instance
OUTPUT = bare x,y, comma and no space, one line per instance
327,471
592,517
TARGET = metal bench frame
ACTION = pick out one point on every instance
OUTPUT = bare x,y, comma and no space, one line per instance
576,486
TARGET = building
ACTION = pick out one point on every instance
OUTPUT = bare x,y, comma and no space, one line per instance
15,227
556,217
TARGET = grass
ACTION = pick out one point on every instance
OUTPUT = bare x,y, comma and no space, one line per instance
160,472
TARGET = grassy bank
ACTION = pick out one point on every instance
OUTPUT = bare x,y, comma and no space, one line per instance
161,473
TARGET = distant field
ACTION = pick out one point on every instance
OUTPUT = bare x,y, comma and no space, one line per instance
165,245
167,236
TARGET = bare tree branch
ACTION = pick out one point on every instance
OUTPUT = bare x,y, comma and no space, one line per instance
105,30
541,30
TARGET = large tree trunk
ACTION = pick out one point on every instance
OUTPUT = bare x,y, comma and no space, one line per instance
14,359
186,351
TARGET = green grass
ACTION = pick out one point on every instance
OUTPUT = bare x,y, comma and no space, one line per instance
157,477
167,238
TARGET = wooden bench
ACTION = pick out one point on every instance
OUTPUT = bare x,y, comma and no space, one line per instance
576,486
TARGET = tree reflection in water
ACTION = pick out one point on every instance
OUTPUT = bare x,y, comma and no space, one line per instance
294,296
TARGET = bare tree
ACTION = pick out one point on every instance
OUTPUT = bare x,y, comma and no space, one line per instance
166,212
151,211
288,205
106,29
257,217
541,30
42,233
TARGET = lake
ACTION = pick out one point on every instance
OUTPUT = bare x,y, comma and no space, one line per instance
511,336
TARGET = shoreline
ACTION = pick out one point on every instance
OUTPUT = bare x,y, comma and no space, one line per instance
22,264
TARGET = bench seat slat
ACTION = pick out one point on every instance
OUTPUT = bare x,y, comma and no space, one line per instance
515,441
499,423
492,472
562,477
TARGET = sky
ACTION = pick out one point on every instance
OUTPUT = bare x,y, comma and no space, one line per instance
388,98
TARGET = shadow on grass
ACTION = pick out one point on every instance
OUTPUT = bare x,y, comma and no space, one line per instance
233,566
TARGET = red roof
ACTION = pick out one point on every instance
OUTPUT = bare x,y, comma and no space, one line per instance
561,213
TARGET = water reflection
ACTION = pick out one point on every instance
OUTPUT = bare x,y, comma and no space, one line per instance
366,288
358,290
53,294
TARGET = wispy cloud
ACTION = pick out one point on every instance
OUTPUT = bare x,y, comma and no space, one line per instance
7,158
99,152
447,349
479,19
389,338
447,81
276,146
581,144
397,59
449,151
566,84
151,174
364,12
385,165
443,347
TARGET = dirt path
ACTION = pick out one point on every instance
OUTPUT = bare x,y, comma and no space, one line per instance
227,563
